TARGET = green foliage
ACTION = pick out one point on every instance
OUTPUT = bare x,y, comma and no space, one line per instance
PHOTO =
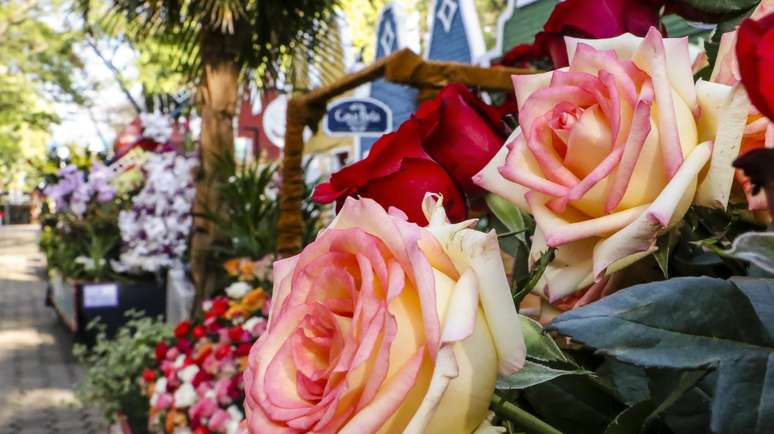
244,33
36,69
689,326
249,211
756,248
114,367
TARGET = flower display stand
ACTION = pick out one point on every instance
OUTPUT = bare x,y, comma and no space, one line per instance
180,295
78,303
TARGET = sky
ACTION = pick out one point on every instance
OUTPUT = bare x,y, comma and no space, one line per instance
93,125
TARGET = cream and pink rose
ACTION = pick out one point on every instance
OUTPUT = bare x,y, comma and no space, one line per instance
759,132
611,152
381,325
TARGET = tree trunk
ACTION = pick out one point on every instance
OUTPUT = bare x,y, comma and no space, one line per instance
218,97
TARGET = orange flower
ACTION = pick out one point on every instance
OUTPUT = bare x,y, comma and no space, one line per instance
235,311
232,266
174,419
254,300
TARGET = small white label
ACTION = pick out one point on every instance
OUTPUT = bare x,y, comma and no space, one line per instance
100,295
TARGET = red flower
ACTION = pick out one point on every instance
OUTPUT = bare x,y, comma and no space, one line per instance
149,375
590,19
243,350
202,430
522,55
219,307
161,351
223,351
212,325
184,346
199,331
182,329
200,377
449,140
462,133
236,333
755,52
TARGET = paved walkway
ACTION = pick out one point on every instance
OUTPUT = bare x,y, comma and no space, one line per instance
37,372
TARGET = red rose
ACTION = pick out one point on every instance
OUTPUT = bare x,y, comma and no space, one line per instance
462,133
149,375
522,55
161,351
755,52
448,141
212,325
594,19
235,333
202,430
182,329
219,307
200,377
243,350
199,331
224,350
184,346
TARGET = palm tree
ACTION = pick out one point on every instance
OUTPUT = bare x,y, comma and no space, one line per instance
219,42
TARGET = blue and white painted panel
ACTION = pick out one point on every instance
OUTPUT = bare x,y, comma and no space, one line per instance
454,32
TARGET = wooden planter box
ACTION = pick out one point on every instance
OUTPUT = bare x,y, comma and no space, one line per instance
78,303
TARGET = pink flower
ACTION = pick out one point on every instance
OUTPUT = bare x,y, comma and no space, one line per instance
204,408
221,390
610,154
219,420
163,401
381,317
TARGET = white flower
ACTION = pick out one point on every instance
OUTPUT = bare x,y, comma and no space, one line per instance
233,410
88,263
179,361
188,373
186,396
238,290
156,126
182,430
160,386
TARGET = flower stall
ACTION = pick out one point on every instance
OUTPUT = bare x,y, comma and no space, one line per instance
115,230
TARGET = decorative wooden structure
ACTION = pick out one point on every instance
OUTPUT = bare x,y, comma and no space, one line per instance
404,67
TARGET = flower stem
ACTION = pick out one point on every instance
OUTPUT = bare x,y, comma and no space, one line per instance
522,418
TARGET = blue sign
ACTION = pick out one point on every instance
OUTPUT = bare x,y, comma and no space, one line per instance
358,117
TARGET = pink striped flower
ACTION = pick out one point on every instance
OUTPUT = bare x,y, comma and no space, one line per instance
759,132
610,153
383,325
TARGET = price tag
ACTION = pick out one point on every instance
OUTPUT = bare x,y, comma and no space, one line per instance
100,295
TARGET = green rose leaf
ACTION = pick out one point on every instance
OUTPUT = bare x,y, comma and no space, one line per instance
532,374
539,345
756,248
692,323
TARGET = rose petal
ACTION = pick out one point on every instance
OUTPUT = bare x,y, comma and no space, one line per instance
724,116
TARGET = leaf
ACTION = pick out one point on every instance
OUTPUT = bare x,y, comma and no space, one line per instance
688,323
507,213
574,404
744,396
631,420
690,412
629,381
756,248
693,323
539,345
720,7
665,243
534,373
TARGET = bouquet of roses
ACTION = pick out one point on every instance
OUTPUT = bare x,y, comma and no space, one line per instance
155,230
196,385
